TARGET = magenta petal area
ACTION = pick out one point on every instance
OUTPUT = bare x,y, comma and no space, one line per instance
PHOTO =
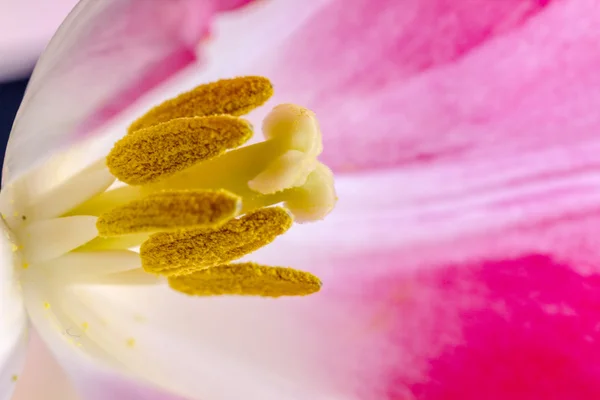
521,329
228,5
412,82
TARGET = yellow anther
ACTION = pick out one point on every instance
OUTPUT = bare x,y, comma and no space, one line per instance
246,279
170,210
162,150
315,199
46,305
235,96
130,342
192,250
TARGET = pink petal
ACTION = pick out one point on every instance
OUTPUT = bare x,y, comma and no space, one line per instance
522,328
409,83
476,314
104,58
42,377
227,5
456,289
96,385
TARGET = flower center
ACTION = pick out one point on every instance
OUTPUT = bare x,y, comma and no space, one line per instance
178,187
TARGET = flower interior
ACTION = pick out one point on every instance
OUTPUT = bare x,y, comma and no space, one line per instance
180,187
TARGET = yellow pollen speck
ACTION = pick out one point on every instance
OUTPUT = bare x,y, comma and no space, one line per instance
236,96
15,378
14,247
130,342
192,250
162,150
170,210
46,305
246,279
25,265
85,326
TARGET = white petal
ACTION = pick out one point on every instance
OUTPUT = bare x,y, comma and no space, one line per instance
12,364
216,348
13,321
96,374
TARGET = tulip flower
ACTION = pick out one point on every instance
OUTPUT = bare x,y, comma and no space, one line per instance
458,263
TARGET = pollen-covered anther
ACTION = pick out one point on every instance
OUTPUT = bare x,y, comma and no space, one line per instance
298,131
162,150
184,252
170,210
246,279
235,96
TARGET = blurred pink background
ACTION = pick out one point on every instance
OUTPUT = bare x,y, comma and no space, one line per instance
25,28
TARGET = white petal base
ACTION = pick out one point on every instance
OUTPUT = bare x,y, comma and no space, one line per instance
13,321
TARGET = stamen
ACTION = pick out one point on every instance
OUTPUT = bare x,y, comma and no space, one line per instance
236,96
162,150
246,279
170,210
262,174
189,251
